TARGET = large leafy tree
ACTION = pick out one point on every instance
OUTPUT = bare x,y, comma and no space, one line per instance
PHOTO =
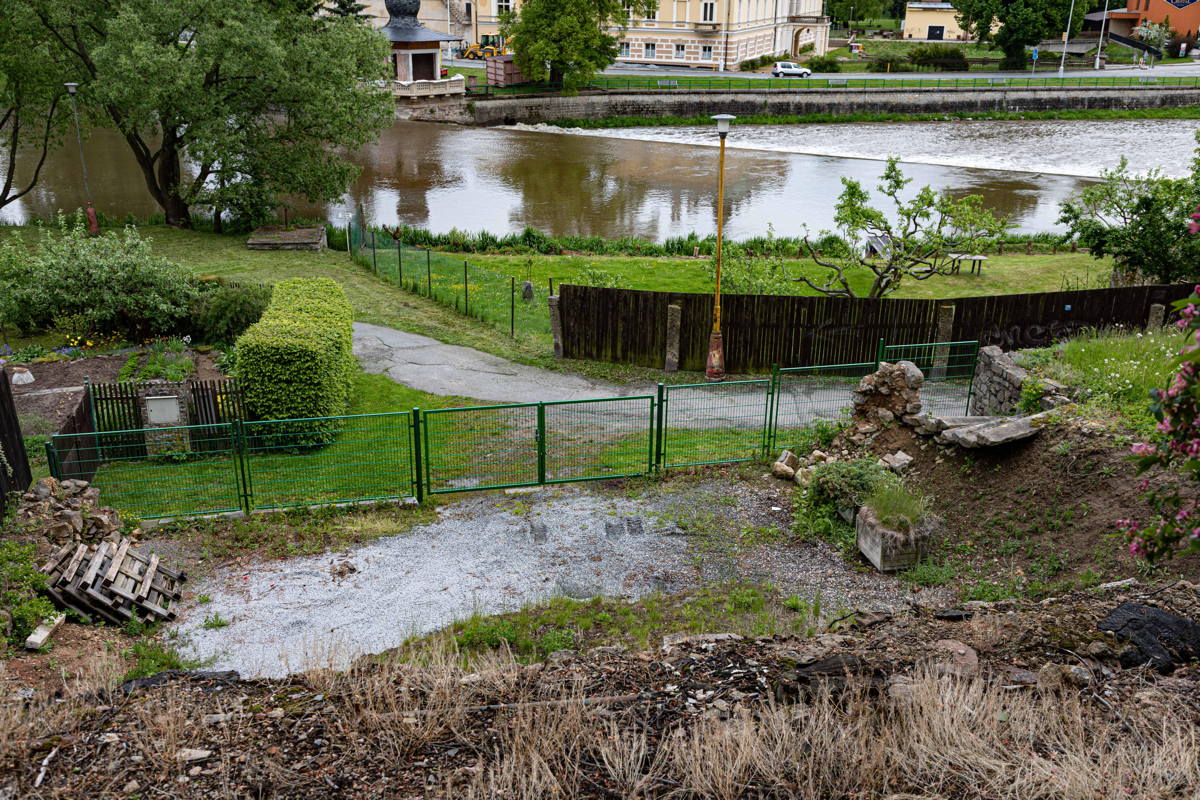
258,99
1141,221
861,9
914,238
567,41
1017,24
32,100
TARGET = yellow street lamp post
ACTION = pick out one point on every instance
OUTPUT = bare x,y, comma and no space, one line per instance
714,369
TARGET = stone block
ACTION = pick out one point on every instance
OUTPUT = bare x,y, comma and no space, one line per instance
887,550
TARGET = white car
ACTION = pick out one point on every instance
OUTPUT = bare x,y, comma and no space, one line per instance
789,69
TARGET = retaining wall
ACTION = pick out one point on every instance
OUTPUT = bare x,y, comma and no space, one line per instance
544,108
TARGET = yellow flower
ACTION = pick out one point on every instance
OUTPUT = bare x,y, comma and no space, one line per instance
89,344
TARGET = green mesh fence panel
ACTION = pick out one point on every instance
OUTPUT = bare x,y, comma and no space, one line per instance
595,439
370,457
485,447
181,471
949,368
712,423
807,398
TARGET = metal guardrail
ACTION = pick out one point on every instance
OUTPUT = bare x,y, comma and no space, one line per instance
780,85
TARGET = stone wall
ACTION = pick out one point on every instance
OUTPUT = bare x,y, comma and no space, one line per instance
998,382
512,110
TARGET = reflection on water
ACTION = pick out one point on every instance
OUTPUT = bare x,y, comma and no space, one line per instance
444,176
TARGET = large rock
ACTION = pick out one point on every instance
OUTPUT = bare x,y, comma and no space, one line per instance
995,431
1159,638
66,512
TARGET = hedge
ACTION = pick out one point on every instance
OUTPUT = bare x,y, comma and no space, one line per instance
296,362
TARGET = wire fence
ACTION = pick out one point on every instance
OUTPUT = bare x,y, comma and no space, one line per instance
193,470
774,85
501,300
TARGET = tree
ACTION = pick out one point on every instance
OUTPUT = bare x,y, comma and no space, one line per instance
260,98
347,8
567,41
32,101
915,241
1016,24
1140,221
851,10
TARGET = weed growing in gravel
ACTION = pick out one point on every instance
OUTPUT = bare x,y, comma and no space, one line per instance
213,622
929,573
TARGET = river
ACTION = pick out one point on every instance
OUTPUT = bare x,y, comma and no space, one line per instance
658,182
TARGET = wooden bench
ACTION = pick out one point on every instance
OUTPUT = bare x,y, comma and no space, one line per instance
665,84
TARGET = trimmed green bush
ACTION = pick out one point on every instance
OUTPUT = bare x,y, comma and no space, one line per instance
824,64
296,362
225,310
944,57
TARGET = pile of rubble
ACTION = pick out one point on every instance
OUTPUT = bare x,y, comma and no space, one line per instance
68,511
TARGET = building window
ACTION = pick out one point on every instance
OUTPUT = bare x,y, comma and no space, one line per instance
624,49
706,52
503,6
680,51
650,48
653,14
467,11
708,12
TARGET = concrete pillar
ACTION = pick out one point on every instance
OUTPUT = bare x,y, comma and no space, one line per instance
945,332
674,314
555,325
1158,316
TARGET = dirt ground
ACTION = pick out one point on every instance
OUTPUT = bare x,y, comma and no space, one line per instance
1044,509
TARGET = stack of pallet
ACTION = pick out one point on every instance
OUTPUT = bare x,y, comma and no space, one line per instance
110,580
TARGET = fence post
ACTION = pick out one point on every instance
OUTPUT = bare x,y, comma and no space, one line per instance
512,306
399,264
52,461
773,419
659,420
879,354
374,261
418,457
541,443
466,293
242,468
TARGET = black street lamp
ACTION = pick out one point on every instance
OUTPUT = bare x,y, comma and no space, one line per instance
93,222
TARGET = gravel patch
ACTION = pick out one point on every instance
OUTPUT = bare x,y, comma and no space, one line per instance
488,555
493,553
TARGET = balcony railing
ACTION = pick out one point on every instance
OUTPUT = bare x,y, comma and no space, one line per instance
445,86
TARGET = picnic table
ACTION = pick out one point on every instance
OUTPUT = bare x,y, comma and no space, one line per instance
956,260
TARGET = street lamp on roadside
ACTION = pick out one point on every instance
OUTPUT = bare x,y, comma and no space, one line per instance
93,223
714,368
1062,61
1103,23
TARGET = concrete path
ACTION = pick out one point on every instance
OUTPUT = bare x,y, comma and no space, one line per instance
439,368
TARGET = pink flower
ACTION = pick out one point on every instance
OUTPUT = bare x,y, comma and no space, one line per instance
1138,547
1144,449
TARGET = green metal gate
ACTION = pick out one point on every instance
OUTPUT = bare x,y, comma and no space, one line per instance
714,423
949,369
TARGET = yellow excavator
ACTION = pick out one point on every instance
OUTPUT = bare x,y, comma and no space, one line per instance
479,52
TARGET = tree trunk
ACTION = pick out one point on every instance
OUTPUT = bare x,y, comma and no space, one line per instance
163,183
1014,56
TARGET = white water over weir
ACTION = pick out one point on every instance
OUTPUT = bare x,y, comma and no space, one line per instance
1080,148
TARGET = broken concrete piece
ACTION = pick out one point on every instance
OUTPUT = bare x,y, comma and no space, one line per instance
898,461
42,633
996,431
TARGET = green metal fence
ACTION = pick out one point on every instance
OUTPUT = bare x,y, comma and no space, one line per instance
949,369
510,304
248,466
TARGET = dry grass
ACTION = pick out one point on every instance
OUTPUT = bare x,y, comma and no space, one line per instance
420,731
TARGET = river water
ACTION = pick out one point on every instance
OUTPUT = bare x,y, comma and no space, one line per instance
658,182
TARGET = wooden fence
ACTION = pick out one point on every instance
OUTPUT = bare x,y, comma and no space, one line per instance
630,326
14,466
115,413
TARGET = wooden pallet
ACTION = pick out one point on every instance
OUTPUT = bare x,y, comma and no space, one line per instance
113,581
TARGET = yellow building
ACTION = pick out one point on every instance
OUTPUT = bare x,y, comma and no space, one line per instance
933,21
717,34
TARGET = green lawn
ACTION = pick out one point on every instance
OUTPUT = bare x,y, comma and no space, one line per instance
1006,274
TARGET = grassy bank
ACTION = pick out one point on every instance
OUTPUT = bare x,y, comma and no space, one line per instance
1182,112
1006,274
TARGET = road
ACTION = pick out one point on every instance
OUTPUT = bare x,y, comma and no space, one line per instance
1045,69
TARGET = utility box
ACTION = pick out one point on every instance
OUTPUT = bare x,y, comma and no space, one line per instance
503,71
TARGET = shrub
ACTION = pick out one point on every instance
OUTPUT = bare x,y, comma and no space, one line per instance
890,63
112,283
824,64
20,587
296,362
224,311
846,483
945,57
